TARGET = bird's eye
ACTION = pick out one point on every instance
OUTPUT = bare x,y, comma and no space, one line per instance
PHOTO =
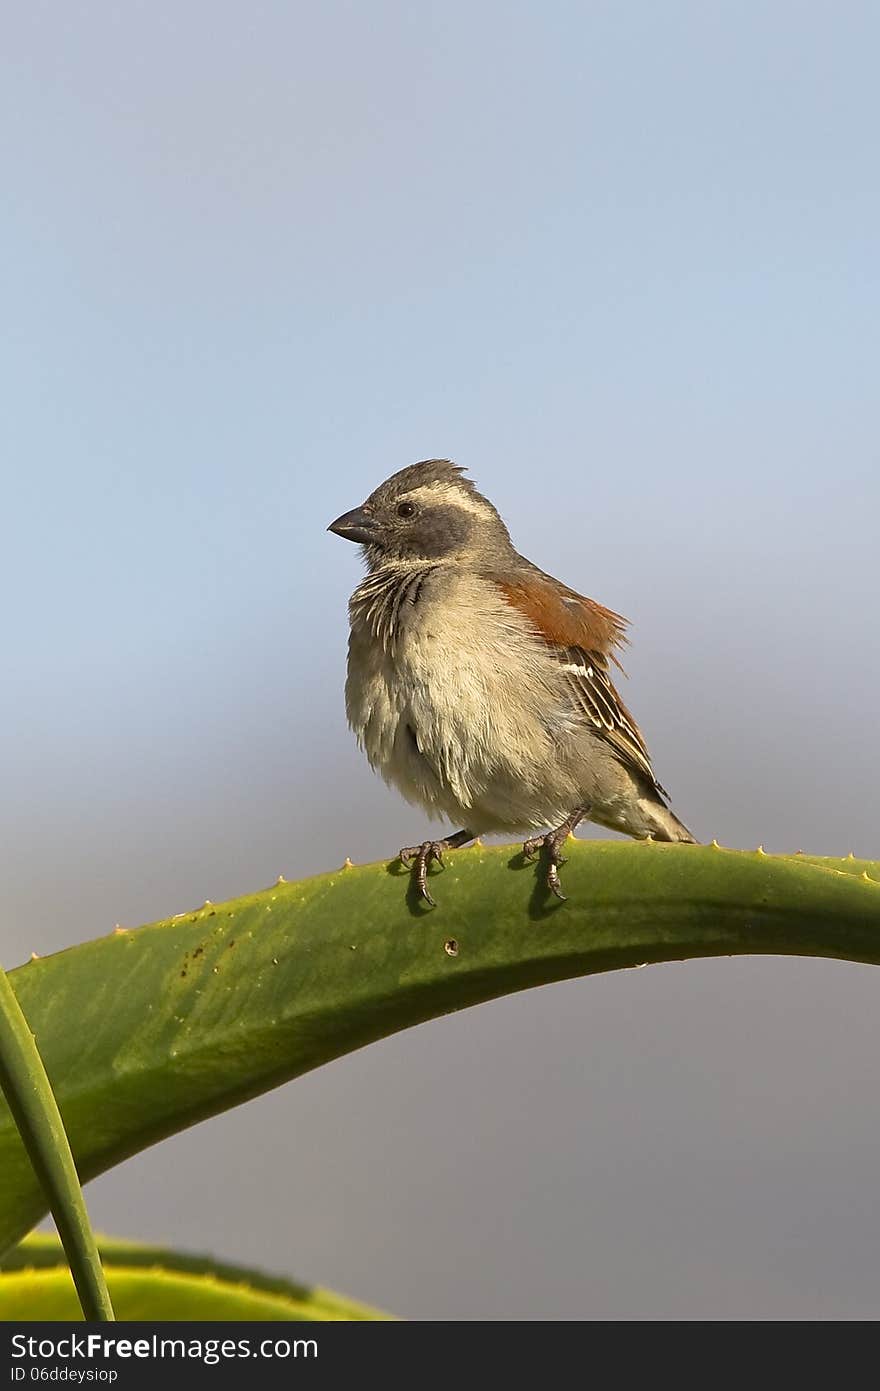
406,509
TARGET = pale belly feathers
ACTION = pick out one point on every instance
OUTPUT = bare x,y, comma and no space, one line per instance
462,711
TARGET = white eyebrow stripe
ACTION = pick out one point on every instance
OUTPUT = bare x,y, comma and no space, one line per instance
457,496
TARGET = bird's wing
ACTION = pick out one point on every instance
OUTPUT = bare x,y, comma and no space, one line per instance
597,699
583,636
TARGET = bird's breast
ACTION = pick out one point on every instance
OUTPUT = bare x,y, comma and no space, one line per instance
457,697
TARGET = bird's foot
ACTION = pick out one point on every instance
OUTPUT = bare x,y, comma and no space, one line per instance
426,854
551,844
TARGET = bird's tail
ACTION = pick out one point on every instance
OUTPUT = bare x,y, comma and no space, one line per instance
664,824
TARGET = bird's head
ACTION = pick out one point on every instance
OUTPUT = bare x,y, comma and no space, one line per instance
427,511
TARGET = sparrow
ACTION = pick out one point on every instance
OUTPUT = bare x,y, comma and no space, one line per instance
479,686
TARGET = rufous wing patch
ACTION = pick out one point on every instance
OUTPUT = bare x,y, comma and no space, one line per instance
563,617
582,635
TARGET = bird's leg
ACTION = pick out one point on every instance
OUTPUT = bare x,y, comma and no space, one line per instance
428,851
551,844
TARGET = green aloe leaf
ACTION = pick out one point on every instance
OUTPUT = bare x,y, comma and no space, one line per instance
150,1282
145,1032
35,1111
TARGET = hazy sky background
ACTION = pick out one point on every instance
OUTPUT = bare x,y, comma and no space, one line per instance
621,260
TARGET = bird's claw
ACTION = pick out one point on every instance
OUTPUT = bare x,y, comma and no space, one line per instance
423,855
553,883
549,844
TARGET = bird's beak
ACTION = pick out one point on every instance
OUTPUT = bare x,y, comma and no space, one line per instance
356,525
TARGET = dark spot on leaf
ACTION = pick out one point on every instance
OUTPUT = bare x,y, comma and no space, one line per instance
450,946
